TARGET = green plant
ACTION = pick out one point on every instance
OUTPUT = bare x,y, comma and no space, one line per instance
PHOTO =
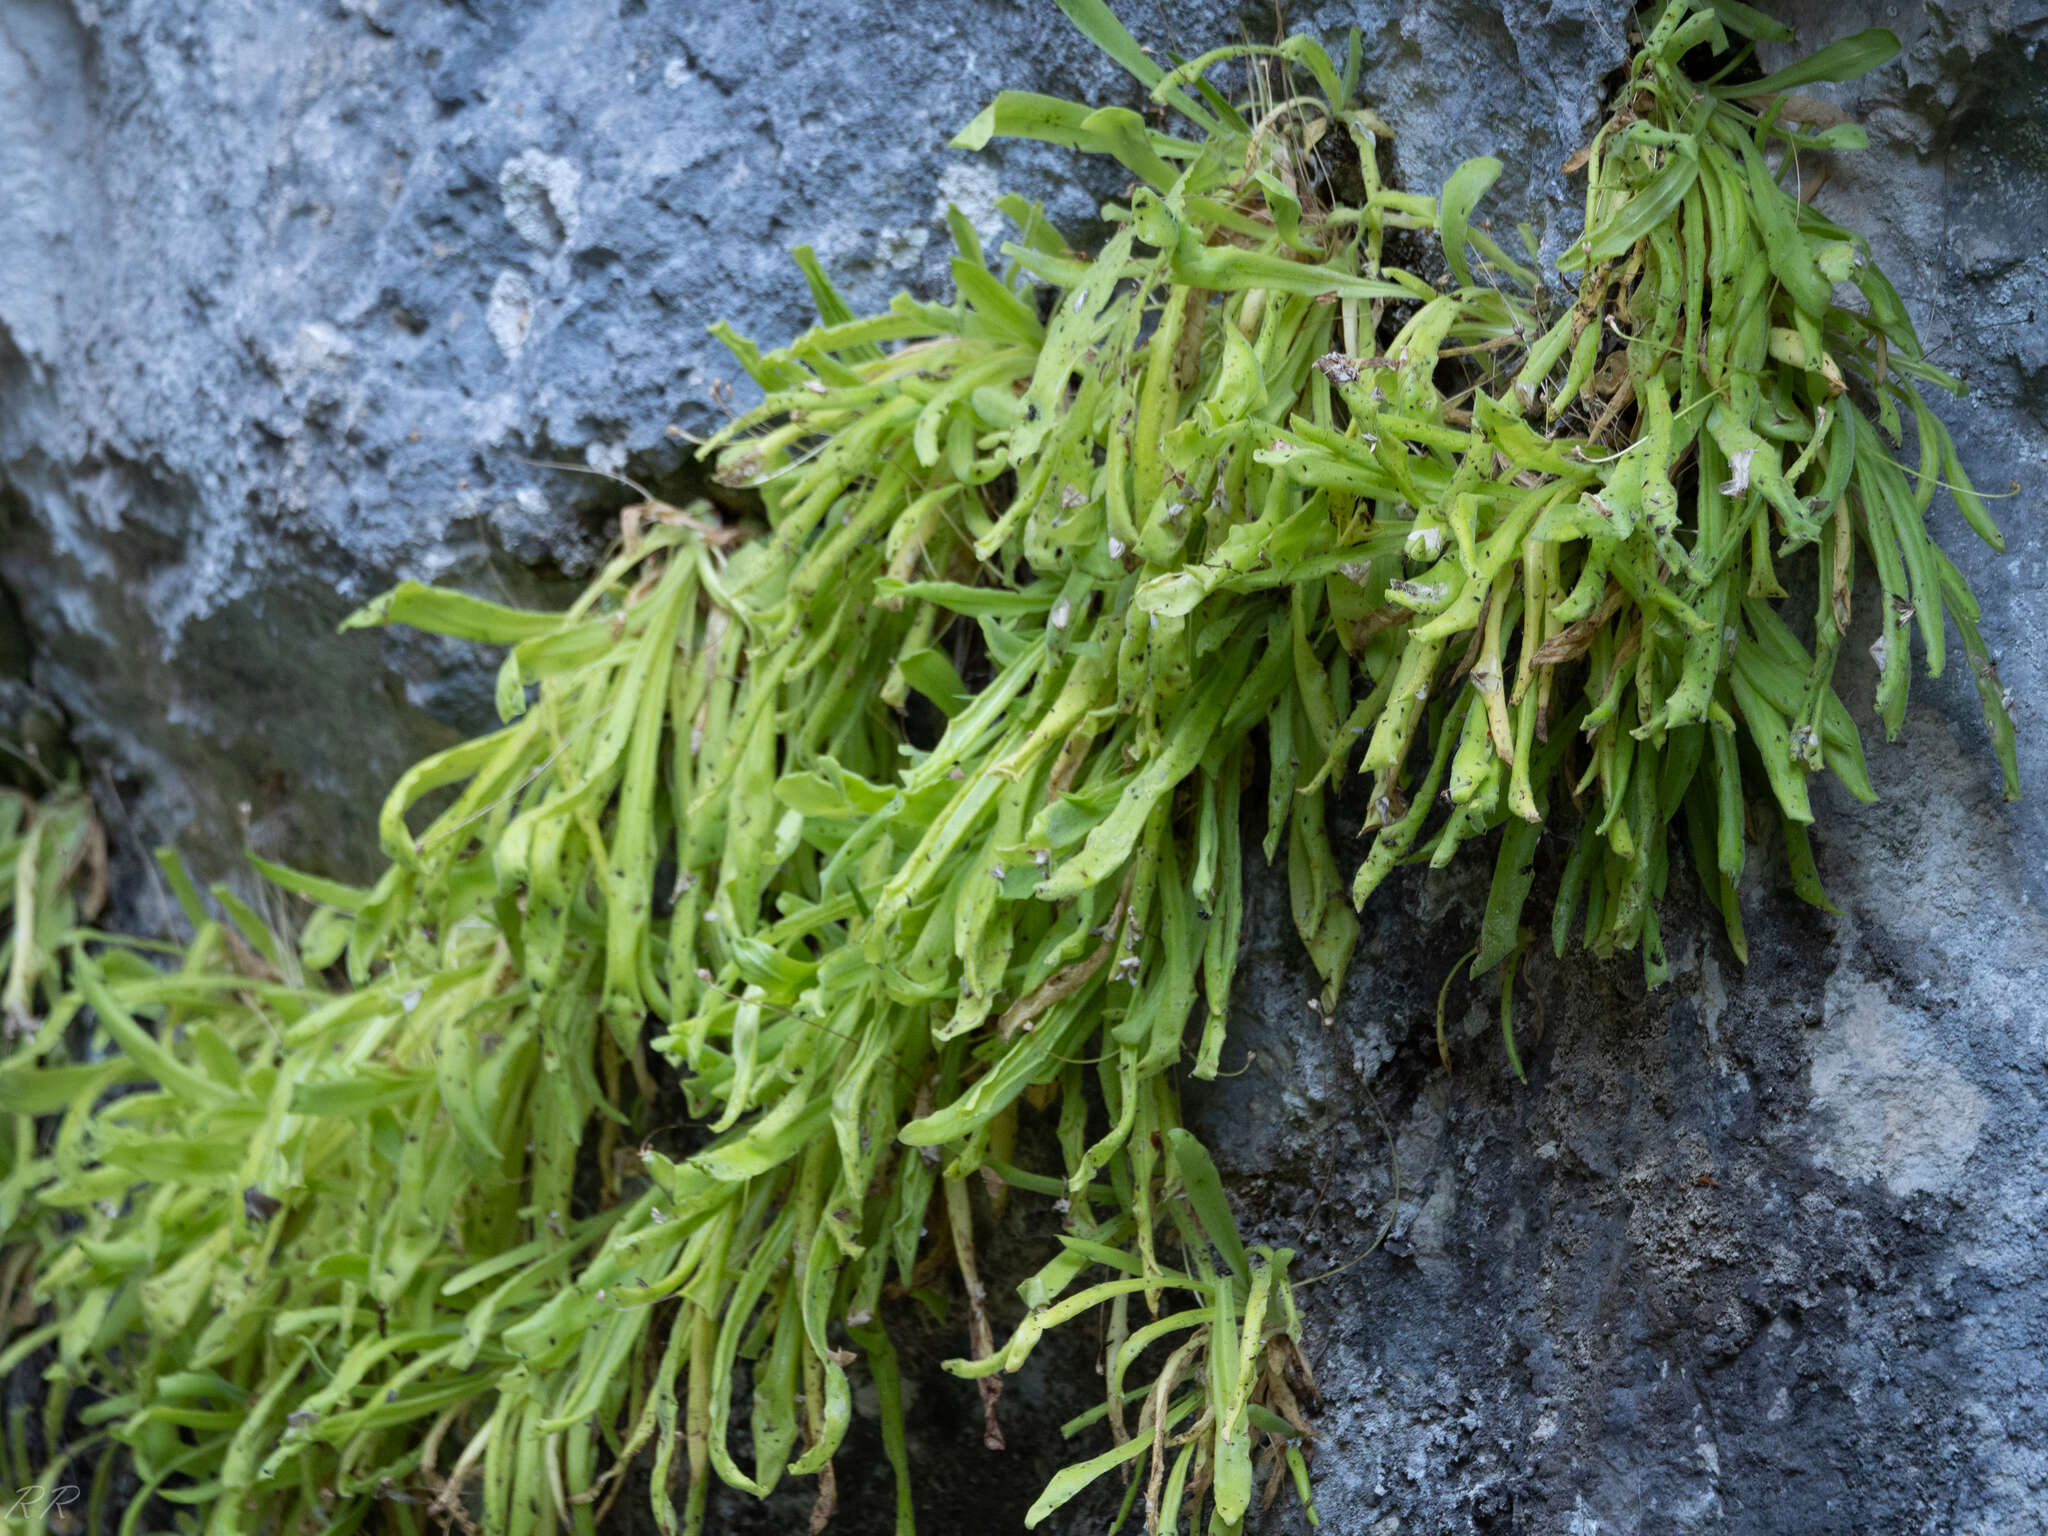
1244,507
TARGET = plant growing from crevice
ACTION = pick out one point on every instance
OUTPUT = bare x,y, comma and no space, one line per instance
1234,508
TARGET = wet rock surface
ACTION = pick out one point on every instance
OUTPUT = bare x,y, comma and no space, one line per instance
301,298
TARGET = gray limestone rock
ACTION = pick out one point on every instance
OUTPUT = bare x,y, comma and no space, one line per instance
303,297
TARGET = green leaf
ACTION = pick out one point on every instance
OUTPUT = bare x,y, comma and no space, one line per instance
931,672
1750,22
1651,207
33,1089
1849,58
1114,131
187,894
141,1047
976,602
353,1096
1069,1481
328,893
1098,23
165,1159
454,614
1461,194
249,924
1205,1192
1514,871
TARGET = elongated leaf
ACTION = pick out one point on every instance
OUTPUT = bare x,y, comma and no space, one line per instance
1071,1481
1514,871
1205,1192
1848,58
1461,194
1750,22
329,893
454,614
1098,23
977,602
1649,208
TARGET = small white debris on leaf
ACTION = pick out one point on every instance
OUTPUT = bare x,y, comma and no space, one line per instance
1738,472
1424,543
1338,368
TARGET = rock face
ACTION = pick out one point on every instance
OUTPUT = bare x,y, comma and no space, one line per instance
300,298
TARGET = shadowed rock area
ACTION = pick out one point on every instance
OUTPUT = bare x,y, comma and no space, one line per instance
300,299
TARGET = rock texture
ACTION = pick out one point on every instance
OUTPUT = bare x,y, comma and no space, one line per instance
303,297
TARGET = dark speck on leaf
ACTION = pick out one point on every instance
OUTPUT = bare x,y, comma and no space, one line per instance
258,1206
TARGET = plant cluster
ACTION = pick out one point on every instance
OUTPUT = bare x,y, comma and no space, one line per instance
1235,509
